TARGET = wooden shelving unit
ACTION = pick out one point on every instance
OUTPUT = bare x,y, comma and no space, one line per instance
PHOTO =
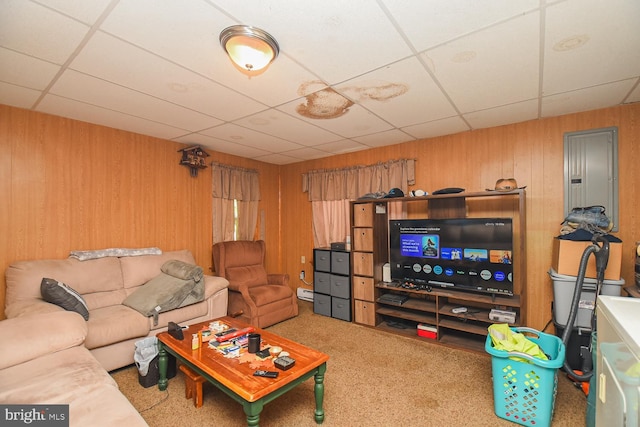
369,234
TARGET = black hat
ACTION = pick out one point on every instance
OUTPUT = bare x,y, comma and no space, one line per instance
394,192
449,190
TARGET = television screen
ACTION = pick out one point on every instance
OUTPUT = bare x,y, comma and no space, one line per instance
473,254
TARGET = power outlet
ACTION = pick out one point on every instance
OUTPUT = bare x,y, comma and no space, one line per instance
301,274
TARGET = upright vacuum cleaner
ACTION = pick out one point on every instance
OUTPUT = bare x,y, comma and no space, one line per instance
600,248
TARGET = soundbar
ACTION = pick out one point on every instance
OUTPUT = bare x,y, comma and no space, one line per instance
435,282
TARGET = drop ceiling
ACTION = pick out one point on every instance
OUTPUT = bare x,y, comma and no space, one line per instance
351,75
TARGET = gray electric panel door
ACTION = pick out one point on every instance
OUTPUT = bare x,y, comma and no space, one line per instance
591,170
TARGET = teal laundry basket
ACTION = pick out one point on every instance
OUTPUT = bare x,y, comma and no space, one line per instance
524,387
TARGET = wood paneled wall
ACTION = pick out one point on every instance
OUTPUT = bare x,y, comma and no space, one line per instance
69,185
531,152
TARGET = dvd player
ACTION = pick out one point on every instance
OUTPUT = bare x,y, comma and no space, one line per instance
393,298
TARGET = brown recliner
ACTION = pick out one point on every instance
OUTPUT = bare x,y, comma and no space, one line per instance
261,299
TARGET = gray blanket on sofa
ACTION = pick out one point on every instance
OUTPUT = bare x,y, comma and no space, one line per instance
179,284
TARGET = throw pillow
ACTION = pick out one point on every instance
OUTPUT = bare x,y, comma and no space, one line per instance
64,296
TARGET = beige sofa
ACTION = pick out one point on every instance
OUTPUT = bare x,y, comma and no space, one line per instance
104,283
43,362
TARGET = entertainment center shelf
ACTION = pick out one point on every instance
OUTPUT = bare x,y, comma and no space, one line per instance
432,306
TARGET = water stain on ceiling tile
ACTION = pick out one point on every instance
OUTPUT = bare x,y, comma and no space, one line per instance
323,104
329,104
379,92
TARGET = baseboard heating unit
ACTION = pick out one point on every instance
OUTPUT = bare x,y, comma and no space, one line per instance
305,294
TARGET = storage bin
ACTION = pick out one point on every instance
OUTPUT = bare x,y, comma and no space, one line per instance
524,387
153,374
578,338
322,304
567,254
563,289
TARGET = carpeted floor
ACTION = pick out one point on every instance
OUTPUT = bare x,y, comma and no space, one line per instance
373,379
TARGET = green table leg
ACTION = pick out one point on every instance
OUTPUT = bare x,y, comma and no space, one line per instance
319,392
163,361
253,409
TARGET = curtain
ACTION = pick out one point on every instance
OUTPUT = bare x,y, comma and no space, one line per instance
354,182
330,222
330,192
234,186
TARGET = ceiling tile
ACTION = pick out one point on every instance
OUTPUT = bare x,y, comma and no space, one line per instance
113,60
82,10
163,31
342,146
356,35
586,99
17,96
34,30
490,68
24,70
241,135
601,46
402,93
57,105
381,139
78,86
277,159
512,113
442,127
222,146
308,153
635,95
331,111
282,125
428,23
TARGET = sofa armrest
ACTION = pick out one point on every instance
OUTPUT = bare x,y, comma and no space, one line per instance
213,285
278,279
27,307
26,338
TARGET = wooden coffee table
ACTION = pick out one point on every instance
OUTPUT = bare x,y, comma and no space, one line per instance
236,379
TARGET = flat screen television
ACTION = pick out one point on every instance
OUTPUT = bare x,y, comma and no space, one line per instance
473,254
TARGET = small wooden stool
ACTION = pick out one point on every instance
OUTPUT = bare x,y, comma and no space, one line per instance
193,385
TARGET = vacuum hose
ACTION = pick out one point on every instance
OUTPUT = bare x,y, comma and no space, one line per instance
602,258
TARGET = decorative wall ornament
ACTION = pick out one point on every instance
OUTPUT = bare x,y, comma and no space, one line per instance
194,158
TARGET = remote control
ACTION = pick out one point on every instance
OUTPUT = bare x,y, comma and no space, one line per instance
268,374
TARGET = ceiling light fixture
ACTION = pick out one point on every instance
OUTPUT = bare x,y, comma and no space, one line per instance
251,49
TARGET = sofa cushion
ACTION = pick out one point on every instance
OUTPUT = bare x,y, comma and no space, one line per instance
267,294
31,336
53,378
108,325
139,270
72,377
98,275
64,296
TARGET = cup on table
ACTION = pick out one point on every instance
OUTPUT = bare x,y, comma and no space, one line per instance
254,343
